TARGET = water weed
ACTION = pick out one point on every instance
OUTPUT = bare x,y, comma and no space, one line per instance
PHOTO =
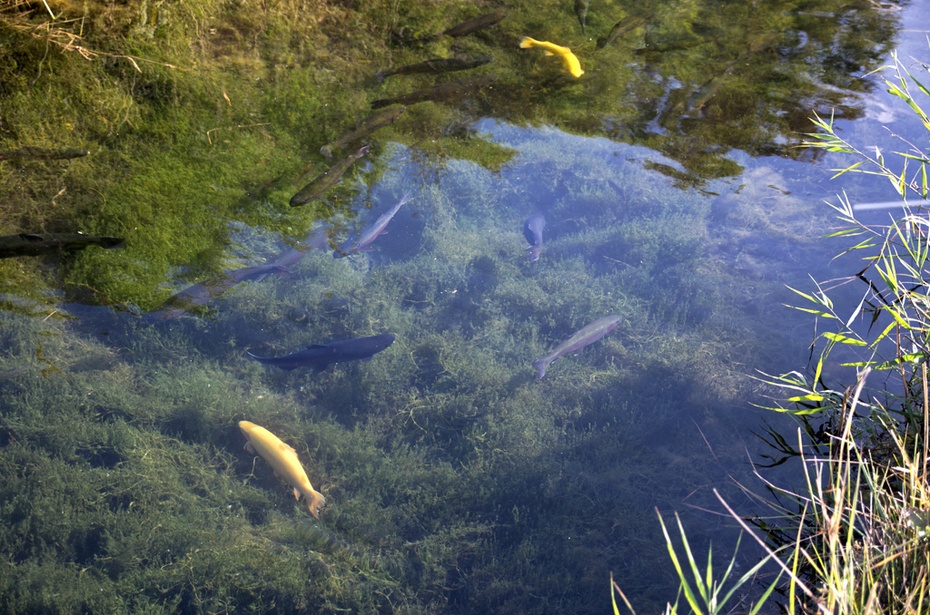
454,480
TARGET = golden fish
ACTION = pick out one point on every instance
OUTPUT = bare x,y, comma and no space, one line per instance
284,460
571,60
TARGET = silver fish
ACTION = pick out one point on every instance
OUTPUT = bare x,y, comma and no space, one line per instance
365,239
315,189
378,119
581,338
200,294
533,231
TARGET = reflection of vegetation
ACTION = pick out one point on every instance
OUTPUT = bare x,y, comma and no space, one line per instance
196,119
854,536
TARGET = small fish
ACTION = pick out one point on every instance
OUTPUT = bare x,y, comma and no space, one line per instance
39,153
570,59
34,244
474,24
533,231
627,24
697,99
321,356
441,92
373,122
199,295
283,459
581,10
315,189
581,338
366,237
436,66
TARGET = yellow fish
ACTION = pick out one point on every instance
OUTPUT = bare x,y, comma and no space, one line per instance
284,460
571,60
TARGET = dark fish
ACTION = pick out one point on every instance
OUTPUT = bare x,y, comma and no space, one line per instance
581,10
315,189
365,239
33,244
627,24
436,66
581,338
441,92
199,295
373,122
39,153
474,24
533,231
702,95
320,356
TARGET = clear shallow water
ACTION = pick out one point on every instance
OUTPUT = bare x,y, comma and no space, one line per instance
455,479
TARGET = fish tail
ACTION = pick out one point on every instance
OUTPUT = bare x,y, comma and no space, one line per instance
316,502
540,366
527,42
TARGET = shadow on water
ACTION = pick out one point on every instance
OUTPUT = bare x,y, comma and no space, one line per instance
456,479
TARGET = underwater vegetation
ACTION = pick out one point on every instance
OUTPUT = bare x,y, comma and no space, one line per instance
455,480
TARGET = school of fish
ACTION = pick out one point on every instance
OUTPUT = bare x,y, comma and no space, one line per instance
282,457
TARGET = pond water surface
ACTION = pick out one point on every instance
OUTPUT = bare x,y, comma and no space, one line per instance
456,480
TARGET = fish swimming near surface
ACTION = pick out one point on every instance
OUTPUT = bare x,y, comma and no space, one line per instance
627,24
315,189
572,64
40,153
321,356
199,295
581,10
436,66
367,126
34,244
366,237
473,25
437,93
581,338
533,231
283,459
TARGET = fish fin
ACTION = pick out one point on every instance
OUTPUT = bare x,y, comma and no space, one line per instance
548,53
248,446
316,502
296,494
317,347
287,447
